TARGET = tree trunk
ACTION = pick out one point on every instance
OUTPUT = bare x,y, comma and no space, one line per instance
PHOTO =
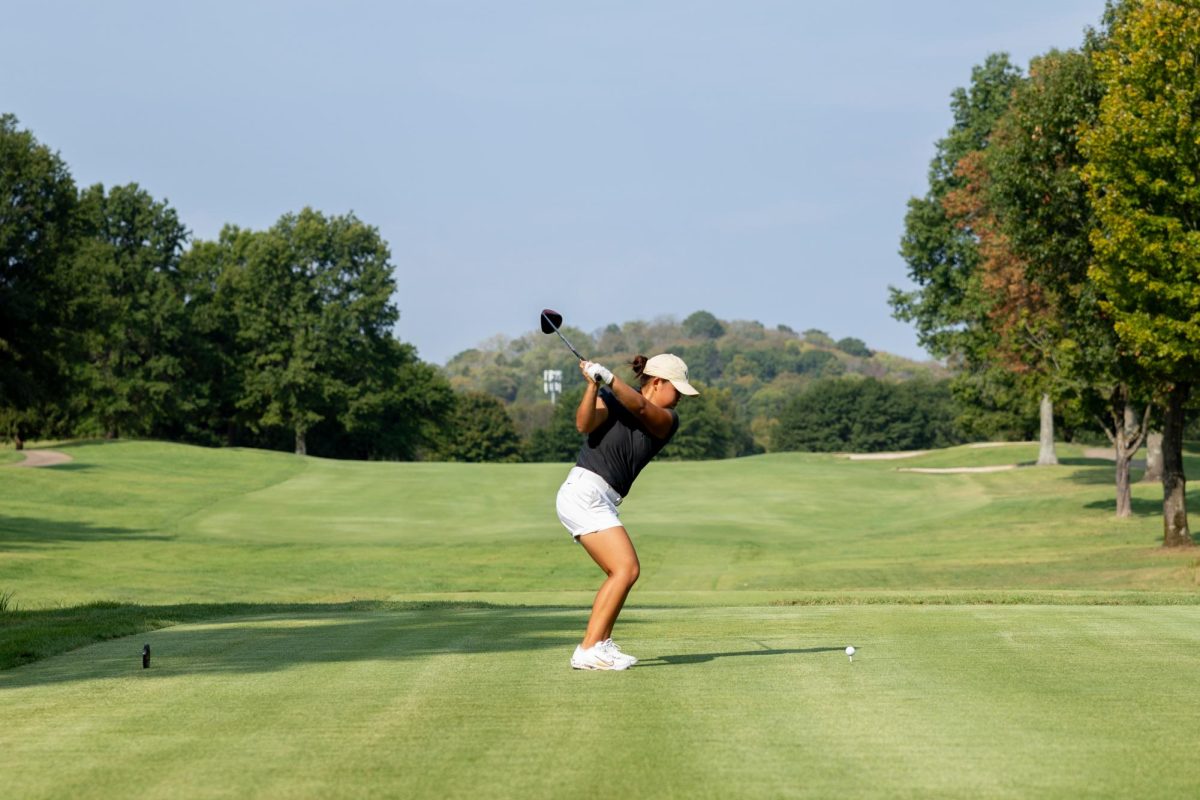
1124,454
1124,498
18,442
1175,524
1153,458
1046,456
1126,436
301,447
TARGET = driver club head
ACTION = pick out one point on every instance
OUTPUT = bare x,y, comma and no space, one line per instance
551,320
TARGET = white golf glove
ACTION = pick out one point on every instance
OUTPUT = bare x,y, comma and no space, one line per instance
598,373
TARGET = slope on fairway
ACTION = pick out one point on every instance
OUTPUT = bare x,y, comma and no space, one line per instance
947,701
154,523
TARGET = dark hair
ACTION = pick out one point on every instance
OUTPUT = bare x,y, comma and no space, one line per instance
639,364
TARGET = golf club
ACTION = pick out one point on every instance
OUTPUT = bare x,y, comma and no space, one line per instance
551,319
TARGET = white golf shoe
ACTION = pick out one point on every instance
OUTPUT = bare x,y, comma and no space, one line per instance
615,651
597,657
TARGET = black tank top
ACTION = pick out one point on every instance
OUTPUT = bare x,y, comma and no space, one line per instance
619,449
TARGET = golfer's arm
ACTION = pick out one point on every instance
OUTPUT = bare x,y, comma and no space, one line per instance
656,420
591,412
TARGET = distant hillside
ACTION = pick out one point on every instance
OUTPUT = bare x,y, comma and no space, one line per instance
760,367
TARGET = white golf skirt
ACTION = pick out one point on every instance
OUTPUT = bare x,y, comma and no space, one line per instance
586,503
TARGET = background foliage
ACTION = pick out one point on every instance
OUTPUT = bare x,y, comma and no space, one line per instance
745,371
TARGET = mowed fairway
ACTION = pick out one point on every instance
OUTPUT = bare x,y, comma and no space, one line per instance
332,629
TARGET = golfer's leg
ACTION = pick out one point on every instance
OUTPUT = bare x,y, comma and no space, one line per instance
613,551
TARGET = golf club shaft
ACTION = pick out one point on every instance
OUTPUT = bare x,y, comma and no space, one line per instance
568,344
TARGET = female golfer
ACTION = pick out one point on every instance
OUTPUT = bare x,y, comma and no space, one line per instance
625,428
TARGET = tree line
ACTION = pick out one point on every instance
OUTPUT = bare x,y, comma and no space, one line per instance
112,325
1056,253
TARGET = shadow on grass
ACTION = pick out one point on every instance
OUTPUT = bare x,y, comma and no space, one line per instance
1140,507
249,638
1079,461
701,658
31,532
70,466
1099,473
1103,470
1143,506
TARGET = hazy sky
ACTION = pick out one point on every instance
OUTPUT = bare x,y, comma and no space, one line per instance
613,160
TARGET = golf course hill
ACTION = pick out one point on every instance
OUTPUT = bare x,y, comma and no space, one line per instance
145,522
760,366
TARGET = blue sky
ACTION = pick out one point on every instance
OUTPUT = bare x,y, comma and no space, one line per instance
616,160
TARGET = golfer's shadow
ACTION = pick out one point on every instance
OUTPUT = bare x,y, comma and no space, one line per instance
700,658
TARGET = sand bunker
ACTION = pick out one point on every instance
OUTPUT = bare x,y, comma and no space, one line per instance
42,458
998,444
885,456
954,470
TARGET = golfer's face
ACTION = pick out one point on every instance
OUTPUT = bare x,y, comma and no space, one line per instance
665,394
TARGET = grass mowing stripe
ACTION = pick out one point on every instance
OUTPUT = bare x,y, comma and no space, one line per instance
26,636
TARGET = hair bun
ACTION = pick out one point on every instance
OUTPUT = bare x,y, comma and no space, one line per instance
638,364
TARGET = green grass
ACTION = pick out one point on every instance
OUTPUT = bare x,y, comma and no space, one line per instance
148,523
948,701
330,629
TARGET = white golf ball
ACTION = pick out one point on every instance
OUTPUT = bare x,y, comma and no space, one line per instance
850,650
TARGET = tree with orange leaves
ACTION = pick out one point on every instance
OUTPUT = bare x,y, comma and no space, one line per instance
1014,306
946,303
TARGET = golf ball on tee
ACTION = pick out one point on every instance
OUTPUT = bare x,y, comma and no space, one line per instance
850,650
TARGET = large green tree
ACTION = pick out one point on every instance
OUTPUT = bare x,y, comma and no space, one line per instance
1143,175
838,414
481,431
703,325
398,407
37,207
385,402
129,308
211,383
313,303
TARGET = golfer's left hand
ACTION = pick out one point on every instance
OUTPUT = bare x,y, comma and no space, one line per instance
598,373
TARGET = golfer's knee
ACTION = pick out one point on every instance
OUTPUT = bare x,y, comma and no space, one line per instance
627,573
